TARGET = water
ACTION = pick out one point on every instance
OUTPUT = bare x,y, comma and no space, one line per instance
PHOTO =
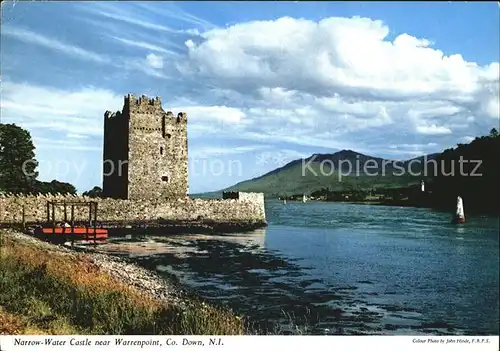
344,269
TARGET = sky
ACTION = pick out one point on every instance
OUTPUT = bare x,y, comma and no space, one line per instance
262,83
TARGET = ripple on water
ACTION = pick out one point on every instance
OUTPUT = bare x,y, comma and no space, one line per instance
343,269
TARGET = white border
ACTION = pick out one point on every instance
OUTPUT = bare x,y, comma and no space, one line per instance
250,343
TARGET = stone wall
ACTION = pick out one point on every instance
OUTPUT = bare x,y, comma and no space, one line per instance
245,208
251,197
115,154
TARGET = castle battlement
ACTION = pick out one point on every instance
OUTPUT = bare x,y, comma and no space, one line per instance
109,114
143,100
181,116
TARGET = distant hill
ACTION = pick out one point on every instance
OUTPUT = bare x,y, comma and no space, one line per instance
337,171
208,195
470,170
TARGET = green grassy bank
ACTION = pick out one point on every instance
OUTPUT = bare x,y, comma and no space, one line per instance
45,291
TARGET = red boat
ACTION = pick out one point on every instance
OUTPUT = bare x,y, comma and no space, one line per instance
72,233
77,231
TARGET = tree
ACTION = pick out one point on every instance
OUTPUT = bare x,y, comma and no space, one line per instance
17,159
477,181
18,165
95,192
53,187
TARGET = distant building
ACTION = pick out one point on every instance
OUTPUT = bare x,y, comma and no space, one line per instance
145,152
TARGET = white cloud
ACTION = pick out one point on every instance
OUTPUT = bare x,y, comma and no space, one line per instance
413,146
339,83
154,61
491,107
344,75
108,10
211,114
177,13
326,140
290,155
404,154
151,65
63,144
433,130
70,118
207,151
144,45
335,53
76,136
53,44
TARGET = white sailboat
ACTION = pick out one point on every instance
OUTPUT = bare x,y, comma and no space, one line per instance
304,199
459,213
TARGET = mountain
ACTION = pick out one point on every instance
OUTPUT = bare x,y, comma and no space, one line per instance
338,171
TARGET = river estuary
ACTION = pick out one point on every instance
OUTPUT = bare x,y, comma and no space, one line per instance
343,269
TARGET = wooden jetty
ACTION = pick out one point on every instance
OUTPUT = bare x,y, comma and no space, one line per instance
69,229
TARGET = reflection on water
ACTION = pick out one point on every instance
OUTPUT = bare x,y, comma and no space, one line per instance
342,269
179,245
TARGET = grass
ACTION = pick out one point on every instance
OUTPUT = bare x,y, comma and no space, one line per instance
15,324
48,292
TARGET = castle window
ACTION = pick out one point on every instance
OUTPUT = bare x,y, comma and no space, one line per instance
161,150
168,135
164,179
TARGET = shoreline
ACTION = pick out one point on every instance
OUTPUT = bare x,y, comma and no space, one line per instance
406,204
167,227
374,203
437,208
183,227
166,291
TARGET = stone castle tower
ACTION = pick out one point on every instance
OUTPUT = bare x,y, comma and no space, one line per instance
145,152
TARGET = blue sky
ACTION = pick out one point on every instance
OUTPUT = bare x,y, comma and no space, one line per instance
262,83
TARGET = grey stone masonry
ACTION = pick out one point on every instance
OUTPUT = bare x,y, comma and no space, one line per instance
145,152
241,208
